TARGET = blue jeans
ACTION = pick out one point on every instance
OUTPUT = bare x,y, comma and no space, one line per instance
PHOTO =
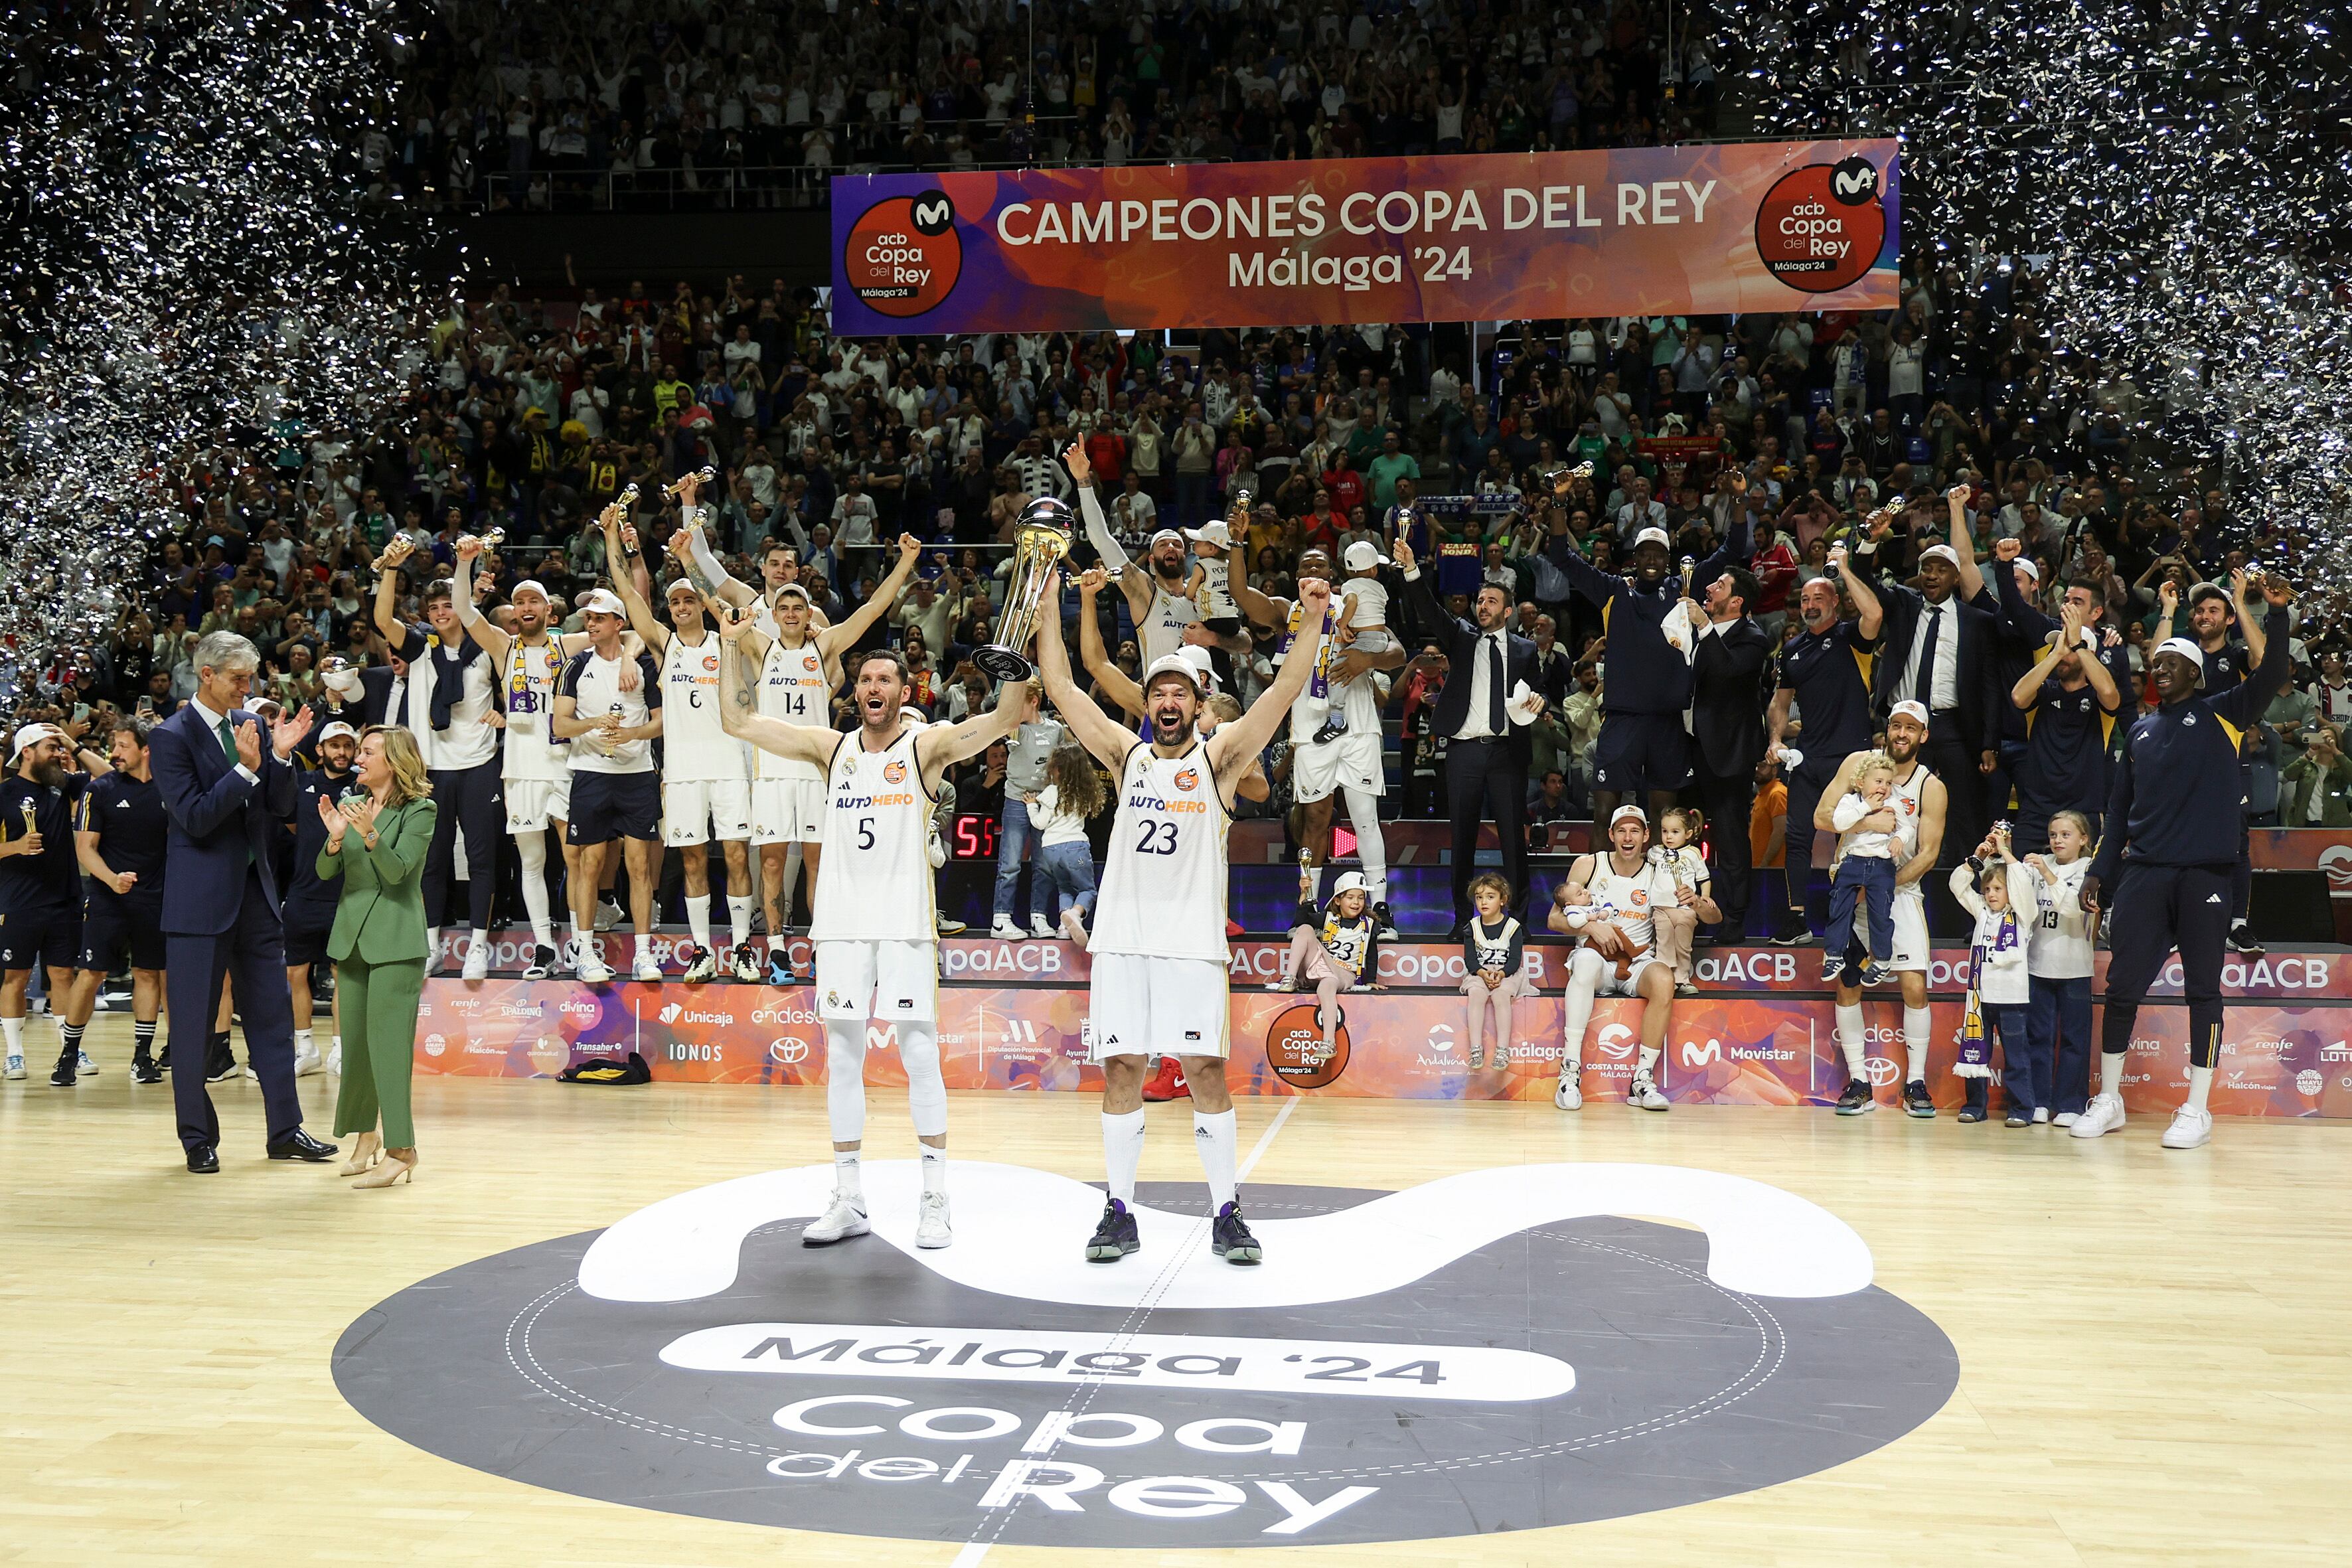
1872,876
2059,1024
1072,868
1013,837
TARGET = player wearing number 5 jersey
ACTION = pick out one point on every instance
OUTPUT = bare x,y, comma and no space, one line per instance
799,667
537,772
1159,941
876,927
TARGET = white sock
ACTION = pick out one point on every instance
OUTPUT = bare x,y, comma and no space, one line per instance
432,948
1647,1069
697,920
1214,1137
15,1030
1371,846
2200,1086
1579,1003
738,919
480,939
1848,1039
1918,1032
302,1041
645,944
575,928
849,1173
531,850
2111,1073
935,1169
1123,1151
778,943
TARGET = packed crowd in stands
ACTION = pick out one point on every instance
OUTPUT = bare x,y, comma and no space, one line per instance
535,107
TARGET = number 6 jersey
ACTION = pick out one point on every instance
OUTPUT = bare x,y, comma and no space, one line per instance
875,882
1164,892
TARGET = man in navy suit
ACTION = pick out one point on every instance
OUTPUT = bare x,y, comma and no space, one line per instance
1487,750
226,795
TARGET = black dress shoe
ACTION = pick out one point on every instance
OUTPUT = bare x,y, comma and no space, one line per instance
204,1160
299,1145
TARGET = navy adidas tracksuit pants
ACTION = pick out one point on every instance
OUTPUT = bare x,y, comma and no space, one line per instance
2159,908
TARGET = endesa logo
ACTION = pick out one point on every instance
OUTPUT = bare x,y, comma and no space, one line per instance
902,255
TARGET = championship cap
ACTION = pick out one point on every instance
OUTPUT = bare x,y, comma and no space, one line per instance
335,729
2025,563
1622,812
1363,555
796,590
602,602
1944,552
1203,671
529,585
1656,536
1215,532
1165,536
1912,709
32,735
1174,664
2181,646
1350,882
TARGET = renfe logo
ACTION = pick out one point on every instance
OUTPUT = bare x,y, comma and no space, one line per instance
1016,1393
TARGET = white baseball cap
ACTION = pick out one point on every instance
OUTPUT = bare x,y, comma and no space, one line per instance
1204,670
32,735
1214,533
2025,563
2181,646
796,590
335,729
1909,708
602,602
1362,556
1940,553
1656,536
1175,664
528,585
1350,882
1622,812
1166,536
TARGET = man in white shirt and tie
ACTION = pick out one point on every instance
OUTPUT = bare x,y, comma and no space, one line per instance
1483,710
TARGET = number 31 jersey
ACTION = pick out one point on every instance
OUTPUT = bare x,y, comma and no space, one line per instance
875,882
1164,892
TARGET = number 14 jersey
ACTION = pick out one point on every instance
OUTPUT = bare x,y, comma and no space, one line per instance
1164,892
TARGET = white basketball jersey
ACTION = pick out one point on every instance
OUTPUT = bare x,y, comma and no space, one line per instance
793,688
1906,800
2059,944
467,741
1625,902
1163,891
875,882
595,684
528,683
695,746
1164,621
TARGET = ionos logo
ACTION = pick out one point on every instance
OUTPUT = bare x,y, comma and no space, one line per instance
1820,228
690,1359
903,254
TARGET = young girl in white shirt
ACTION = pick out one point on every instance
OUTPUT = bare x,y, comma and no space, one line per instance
1999,891
2058,963
1073,793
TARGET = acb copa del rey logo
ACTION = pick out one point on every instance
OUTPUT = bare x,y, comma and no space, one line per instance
1820,227
903,254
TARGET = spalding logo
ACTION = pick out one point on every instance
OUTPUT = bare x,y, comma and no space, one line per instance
1187,779
896,773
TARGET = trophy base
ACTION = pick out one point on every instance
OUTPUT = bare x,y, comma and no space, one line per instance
1003,664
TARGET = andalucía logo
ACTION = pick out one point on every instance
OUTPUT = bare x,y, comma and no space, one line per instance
1496,1349
903,254
1820,227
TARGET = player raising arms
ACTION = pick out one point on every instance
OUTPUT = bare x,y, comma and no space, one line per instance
1159,941
528,661
799,668
706,781
875,924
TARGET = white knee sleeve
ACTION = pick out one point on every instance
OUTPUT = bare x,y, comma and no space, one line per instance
844,1078
1583,975
927,1090
1371,846
531,850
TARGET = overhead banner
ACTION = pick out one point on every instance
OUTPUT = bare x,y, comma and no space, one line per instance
1773,226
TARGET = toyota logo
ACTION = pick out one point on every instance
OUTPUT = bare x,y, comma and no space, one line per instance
788,1050
1884,1070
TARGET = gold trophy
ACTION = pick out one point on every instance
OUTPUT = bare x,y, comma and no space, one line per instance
1563,480
706,475
1040,540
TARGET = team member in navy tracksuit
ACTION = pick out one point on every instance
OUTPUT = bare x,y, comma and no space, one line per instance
1642,746
1826,672
2172,829
2070,702
119,832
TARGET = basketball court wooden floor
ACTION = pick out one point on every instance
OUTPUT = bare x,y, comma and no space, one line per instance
2153,1361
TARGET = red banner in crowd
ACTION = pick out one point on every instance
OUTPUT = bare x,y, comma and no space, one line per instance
2277,1059
1778,225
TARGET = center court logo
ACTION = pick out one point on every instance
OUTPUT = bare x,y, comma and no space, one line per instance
694,1358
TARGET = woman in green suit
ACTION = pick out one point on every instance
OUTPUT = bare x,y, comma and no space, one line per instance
376,840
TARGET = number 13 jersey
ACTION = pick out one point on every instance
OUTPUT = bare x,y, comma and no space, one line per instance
875,882
1164,892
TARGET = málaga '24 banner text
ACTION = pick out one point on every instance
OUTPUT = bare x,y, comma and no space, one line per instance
1779,226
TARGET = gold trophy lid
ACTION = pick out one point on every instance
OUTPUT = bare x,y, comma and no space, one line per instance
1046,511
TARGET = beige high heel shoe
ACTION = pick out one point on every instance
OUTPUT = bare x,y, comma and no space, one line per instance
365,1152
395,1171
